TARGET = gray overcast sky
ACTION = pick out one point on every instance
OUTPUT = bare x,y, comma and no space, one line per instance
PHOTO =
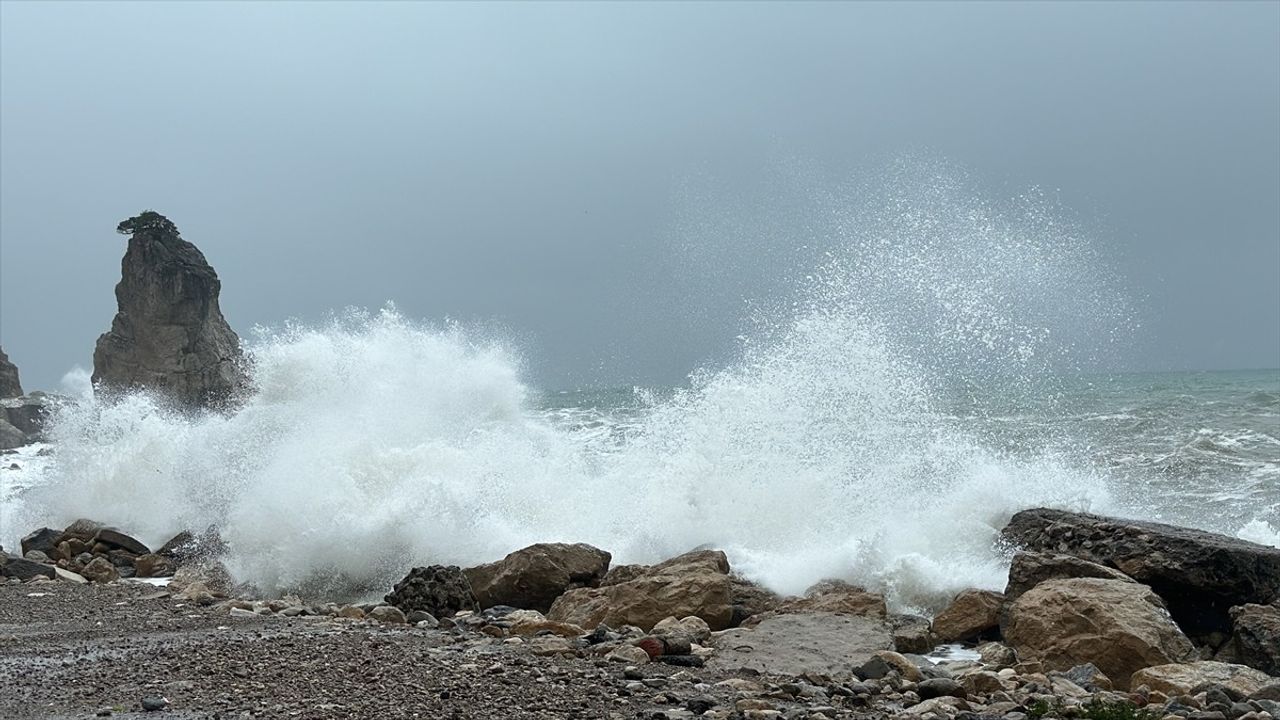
523,163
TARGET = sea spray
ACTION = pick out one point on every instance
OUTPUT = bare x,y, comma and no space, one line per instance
374,443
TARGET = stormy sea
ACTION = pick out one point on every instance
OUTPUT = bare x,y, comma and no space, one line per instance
938,363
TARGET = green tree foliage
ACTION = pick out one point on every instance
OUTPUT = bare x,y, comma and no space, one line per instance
149,221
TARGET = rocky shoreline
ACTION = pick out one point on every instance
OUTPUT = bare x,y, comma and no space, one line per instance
1102,618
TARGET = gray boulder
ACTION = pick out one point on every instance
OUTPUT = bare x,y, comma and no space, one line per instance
28,413
24,569
44,540
1199,575
168,334
22,419
440,590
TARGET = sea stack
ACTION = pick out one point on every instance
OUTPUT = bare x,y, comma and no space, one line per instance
10,387
168,334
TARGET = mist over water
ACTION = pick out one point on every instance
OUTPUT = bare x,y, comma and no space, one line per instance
856,434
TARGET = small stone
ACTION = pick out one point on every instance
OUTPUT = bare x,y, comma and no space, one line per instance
418,617
629,654
700,704
37,556
154,704
70,577
940,687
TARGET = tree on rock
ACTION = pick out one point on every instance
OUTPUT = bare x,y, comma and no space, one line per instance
148,222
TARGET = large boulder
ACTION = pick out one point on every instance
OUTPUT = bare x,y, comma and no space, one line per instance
972,615
44,540
440,590
1119,626
10,386
796,643
168,334
696,583
1029,569
1255,637
116,540
1200,575
1188,678
533,577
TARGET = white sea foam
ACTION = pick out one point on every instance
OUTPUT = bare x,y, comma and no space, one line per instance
1261,532
373,443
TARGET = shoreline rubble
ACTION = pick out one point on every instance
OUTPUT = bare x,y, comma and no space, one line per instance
1073,636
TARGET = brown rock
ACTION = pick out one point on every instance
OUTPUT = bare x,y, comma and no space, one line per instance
1186,678
212,575
153,565
696,583
114,539
83,530
972,614
100,570
904,667
984,682
1119,626
1029,569
535,576
912,634
997,655
836,596
1255,637
623,573
693,628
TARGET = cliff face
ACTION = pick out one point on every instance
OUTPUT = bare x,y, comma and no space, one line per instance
168,334
9,385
